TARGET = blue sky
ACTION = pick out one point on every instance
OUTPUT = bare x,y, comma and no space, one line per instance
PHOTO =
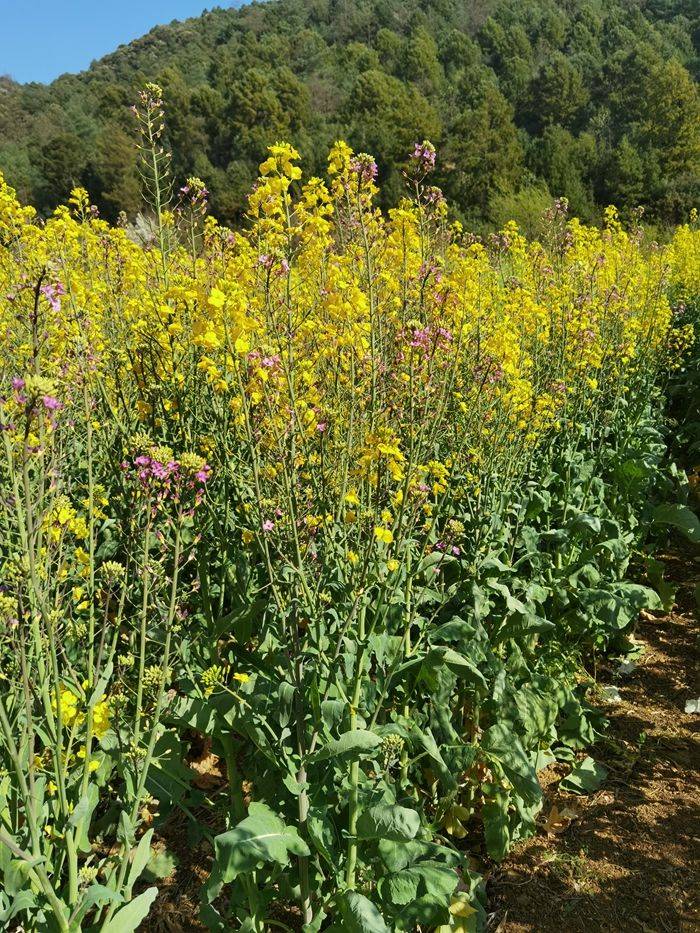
41,39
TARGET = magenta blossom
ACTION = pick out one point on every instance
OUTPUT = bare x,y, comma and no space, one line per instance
423,157
364,166
52,293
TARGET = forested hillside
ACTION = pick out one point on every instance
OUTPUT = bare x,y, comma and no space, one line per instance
596,101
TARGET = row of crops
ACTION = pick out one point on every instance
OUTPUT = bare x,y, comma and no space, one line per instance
351,498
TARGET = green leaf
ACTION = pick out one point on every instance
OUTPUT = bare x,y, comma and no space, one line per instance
525,624
680,517
387,821
584,525
139,861
586,777
543,759
101,685
426,740
82,814
95,896
161,864
400,888
463,667
128,918
438,881
455,630
496,826
504,745
538,711
351,745
260,837
398,855
322,835
359,914
667,591
23,901
639,597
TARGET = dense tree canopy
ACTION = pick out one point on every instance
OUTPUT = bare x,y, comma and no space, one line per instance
596,101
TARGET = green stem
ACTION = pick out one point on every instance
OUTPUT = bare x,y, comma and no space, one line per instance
353,801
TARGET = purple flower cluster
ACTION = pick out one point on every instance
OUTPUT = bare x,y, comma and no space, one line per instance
430,338
444,546
428,269
268,262
167,480
52,292
28,401
423,157
433,196
365,167
272,363
48,402
194,195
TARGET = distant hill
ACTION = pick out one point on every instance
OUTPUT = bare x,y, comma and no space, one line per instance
596,101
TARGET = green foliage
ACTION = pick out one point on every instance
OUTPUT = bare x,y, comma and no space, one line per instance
586,101
585,778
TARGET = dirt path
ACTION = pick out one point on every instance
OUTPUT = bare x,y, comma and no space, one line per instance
628,857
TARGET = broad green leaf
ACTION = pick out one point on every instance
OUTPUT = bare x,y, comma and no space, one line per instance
442,656
95,896
680,517
129,918
543,759
496,826
455,630
538,711
524,624
463,667
351,745
322,835
584,525
388,821
81,816
438,881
359,914
25,900
260,837
426,740
639,597
397,855
501,742
139,861
655,573
586,777
400,888
161,864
